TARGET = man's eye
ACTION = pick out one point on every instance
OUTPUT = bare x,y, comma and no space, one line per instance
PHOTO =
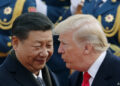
64,43
49,46
36,47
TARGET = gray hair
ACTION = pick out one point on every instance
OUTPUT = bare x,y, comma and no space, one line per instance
85,28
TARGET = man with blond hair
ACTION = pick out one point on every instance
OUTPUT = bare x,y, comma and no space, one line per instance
84,47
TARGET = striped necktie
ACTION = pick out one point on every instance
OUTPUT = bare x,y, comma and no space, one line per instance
42,83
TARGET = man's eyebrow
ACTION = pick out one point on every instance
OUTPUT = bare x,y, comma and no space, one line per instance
40,41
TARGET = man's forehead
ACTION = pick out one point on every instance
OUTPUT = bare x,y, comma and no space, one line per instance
64,37
61,37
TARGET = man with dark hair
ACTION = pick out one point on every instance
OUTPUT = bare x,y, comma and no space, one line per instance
32,47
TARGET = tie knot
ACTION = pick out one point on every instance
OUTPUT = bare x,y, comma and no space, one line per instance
40,81
86,76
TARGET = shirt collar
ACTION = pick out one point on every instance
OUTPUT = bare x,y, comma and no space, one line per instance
95,66
40,74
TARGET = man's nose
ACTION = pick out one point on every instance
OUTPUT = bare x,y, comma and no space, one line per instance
44,52
60,49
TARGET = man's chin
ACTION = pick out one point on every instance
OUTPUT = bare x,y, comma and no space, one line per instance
39,67
68,65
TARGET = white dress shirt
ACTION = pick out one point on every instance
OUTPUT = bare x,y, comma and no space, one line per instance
39,75
95,66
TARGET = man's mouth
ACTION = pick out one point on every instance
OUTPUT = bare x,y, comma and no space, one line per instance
41,61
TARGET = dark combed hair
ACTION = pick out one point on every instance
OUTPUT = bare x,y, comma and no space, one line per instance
32,21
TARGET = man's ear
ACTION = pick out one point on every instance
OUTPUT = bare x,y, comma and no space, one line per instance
15,41
88,48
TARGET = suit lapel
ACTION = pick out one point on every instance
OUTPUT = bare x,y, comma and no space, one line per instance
104,74
49,77
20,73
79,79
25,78
46,76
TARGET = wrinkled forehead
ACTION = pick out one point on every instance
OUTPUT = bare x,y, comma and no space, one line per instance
66,36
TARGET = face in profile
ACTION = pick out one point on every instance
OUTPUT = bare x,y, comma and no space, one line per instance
72,54
34,51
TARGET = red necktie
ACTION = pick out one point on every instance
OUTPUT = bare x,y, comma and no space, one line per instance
86,78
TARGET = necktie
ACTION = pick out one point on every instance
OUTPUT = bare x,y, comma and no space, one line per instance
42,83
86,78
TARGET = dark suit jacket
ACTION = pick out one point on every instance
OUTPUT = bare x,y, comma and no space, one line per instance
1,60
12,73
107,75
